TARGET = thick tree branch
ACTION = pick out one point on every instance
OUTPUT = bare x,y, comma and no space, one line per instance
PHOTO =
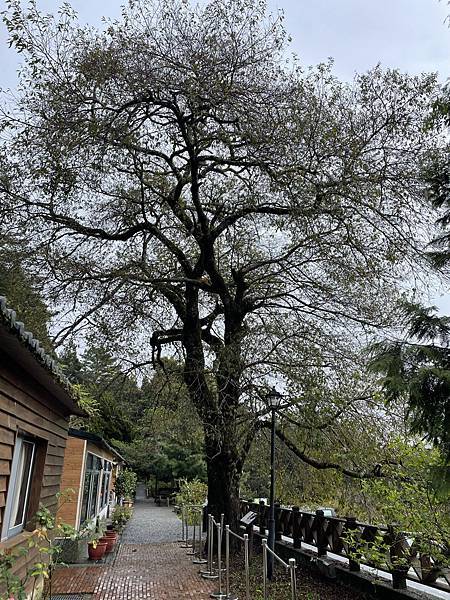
324,465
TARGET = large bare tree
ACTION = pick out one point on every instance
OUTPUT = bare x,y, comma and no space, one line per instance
187,187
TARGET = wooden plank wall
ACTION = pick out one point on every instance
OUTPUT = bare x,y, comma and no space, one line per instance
71,478
26,407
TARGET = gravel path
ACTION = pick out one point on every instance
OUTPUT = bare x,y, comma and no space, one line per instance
151,524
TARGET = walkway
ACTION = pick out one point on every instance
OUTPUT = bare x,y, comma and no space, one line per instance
149,565
151,524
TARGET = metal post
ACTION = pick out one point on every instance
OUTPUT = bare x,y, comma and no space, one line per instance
247,567
185,543
219,594
182,522
199,560
227,561
208,549
271,543
192,552
210,573
292,568
219,554
264,547
228,595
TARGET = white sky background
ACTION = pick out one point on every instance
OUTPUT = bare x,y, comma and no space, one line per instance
411,35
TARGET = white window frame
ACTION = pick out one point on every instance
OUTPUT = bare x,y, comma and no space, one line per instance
93,502
13,488
106,478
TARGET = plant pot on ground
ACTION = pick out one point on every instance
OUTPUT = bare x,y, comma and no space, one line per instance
111,533
96,549
110,543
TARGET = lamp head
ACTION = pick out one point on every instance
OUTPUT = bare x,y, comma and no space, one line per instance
274,398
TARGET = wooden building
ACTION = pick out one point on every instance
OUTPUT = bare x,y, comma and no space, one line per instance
35,404
90,469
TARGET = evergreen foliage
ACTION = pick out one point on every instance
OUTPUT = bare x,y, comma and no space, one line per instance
22,290
419,369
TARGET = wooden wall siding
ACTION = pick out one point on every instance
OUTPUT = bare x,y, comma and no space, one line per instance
102,452
72,478
26,407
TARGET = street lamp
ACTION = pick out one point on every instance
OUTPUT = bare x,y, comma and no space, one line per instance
274,400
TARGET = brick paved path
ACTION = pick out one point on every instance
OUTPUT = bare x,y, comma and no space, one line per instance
147,566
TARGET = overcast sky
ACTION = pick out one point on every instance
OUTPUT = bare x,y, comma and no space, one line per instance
412,35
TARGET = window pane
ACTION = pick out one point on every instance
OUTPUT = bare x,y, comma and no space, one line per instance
24,468
102,493
94,494
105,488
89,461
85,501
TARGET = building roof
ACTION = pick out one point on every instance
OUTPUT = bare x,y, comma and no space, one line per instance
27,351
95,439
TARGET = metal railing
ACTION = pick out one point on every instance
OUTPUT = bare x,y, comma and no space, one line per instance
184,533
190,512
210,573
291,567
215,531
220,595
197,558
243,539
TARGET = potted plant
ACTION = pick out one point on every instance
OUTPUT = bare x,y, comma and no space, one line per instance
125,486
109,533
120,517
109,541
96,548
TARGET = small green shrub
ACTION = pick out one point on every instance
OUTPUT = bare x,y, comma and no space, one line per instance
192,492
126,483
120,516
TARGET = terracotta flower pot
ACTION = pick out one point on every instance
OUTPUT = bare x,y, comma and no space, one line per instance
98,552
109,541
111,533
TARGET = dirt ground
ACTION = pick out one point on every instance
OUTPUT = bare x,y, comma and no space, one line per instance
309,587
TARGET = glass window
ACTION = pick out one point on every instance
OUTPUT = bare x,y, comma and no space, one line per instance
106,478
85,499
19,487
92,501
94,495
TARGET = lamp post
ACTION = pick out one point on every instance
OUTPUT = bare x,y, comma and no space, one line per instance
274,401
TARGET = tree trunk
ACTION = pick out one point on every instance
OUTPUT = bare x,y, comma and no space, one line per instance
224,473
223,489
